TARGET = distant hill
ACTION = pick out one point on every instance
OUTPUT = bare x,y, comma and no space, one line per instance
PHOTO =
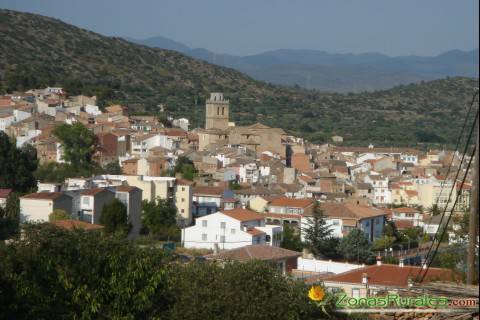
37,51
314,69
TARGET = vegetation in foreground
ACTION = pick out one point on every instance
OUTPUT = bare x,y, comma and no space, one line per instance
56,274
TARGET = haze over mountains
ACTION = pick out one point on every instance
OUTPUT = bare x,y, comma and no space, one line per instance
314,69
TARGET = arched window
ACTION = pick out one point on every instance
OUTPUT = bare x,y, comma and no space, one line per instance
218,111
223,111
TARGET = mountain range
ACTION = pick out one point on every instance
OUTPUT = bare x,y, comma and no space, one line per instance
38,51
315,69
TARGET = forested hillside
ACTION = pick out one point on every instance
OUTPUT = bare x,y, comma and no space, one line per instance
37,51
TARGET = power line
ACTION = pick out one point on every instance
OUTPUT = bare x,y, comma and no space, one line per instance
457,145
458,171
450,216
449,197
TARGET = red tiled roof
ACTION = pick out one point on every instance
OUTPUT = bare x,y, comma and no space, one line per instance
255,252
5,192
43,195
74,224
242,214
288,202
411,193
126,188
389,275
255,232
208,191
92,192
350,210
403,224
405,210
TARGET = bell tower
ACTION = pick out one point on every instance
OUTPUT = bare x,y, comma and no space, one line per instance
216,112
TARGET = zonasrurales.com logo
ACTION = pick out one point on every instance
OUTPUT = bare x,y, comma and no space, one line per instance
341,302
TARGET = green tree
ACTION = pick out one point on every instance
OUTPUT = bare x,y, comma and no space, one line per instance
318,234
51,273
78,144
186,168
114,217
58,214
113,168
10,217
291,239
434,210
17,166
243,288
356,247
159,218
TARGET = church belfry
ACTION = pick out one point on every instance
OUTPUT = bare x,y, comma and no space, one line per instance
216,112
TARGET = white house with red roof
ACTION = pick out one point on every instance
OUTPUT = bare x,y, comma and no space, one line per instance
4,193
230,229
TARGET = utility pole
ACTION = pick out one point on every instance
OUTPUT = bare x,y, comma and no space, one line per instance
473,223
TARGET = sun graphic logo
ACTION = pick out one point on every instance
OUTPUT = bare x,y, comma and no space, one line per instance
323,300
316,293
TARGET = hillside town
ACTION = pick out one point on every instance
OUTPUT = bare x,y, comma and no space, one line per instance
249,184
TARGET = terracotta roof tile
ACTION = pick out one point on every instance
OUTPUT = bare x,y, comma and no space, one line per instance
255,252
288,202
43,195
389,275
242,214
5,192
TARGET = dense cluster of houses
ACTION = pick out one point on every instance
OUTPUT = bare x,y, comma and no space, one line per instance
252,179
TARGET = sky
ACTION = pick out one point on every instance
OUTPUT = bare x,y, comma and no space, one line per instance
244,27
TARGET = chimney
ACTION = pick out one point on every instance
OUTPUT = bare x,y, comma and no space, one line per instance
364,278
379,261
400,263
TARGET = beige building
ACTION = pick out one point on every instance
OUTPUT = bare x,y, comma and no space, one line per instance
218,129
217,109
36,207
183,201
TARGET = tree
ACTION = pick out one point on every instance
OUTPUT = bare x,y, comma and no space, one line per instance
58,214
434,210
186,168
113,168
17,166
291,239
318,234
10,217
78,144
114,217
51,273
355,247
159,218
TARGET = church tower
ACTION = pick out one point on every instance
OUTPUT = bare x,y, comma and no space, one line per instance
216,112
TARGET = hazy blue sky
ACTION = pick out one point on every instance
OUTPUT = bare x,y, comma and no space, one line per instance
401,27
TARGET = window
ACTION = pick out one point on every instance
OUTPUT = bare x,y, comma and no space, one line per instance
183,188
183,199
222,225
232,231
183,210
222,239
86,200
367,224
204,223
335,222
204,237
377,221
355,293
